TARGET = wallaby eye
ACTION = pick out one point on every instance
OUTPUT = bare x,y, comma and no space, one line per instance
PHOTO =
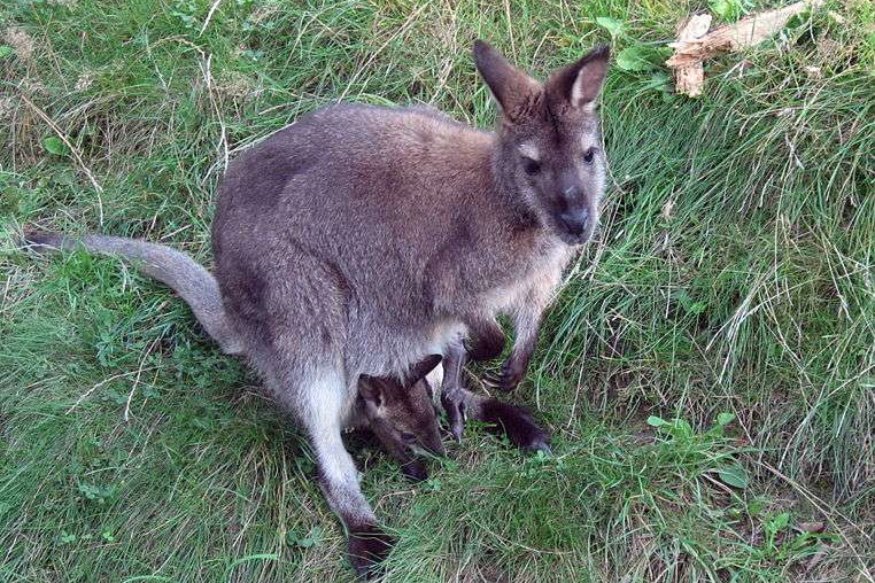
589,156
531,166
408,438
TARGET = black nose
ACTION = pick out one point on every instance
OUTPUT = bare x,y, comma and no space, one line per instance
575,222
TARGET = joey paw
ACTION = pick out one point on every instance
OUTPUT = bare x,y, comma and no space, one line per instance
454,406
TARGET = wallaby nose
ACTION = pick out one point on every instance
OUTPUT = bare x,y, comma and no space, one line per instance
575,222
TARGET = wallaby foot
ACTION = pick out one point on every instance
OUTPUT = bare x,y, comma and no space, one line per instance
368,545
515,422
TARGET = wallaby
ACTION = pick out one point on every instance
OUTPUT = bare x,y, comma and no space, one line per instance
401,416
361,239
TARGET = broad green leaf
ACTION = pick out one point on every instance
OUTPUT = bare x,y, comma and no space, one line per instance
56,146
729,10
778,523
734,476
5,51
635,58
612,25
682,428
725,418
721,8
655,421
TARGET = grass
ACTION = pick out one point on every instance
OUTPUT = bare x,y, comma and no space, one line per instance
733,275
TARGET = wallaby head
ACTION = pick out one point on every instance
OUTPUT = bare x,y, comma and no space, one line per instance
403,412
549,141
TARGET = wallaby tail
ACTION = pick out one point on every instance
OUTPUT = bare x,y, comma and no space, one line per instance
189,279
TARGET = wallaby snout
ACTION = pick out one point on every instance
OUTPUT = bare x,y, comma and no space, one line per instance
575,222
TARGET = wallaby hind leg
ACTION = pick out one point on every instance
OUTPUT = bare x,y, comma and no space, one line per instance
320,409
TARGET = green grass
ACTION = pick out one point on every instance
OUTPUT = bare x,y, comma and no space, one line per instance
734,274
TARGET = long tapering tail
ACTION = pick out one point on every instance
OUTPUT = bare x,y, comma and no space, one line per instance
192,281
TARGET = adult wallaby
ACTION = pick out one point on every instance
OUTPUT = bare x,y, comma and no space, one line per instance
361,239
400,414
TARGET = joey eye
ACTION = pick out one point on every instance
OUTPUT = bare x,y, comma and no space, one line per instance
531,166
589,156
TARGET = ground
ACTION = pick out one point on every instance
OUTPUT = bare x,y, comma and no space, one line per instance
707,373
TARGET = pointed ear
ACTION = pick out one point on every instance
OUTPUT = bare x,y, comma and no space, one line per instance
579,84
512,88
371,390
422,368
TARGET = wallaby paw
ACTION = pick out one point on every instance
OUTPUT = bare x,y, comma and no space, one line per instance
454,405
415,471
517,423
508,379
368,545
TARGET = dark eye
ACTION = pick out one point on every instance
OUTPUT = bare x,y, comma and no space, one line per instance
589,155
531,167
408,438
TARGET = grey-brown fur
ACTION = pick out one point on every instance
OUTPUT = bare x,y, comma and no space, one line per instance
360,239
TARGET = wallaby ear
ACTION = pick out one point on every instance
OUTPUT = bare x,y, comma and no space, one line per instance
371,390
422,368
580,83
512,88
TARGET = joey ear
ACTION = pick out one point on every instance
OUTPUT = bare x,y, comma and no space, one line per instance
422,368
513,89
371,390
579,84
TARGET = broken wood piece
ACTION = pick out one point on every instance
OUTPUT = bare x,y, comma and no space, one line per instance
694,44
690,78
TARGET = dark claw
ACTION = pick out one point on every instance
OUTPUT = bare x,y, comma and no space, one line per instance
491,380
511,375
368,545
507,380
